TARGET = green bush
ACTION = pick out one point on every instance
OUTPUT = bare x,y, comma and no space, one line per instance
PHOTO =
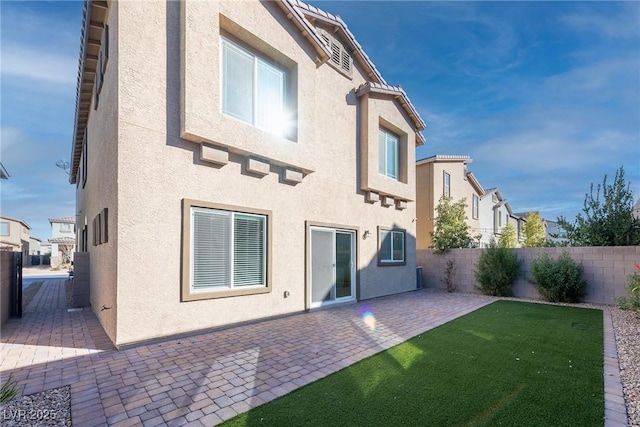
558,280
498,267
633,288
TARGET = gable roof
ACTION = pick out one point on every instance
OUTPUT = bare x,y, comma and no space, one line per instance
311,14
490,191
475,183
15,220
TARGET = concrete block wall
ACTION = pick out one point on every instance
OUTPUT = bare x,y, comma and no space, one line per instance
81,279
6,273
605,269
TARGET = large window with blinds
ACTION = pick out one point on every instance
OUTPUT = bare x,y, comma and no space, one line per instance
227,252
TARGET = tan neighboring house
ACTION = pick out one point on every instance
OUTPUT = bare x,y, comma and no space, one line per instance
236,161
445,175
636,210
63,240
14,236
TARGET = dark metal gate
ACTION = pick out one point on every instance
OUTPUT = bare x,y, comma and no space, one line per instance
16,285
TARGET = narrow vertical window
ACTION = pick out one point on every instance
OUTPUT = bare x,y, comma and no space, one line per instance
446,190
475,206
389,155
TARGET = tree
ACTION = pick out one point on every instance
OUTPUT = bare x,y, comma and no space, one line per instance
508,236
606,222
451,229
535,235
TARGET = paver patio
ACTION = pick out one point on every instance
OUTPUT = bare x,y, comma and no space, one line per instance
209,377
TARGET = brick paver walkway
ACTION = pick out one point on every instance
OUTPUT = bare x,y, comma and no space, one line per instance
207,378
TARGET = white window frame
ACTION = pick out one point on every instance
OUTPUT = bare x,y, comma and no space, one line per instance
382,233
8,225
446,185
475,206
383,167
231,251
226,43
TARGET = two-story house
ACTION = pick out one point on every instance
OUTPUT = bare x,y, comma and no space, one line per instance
14,236
236,161
445,175
63,240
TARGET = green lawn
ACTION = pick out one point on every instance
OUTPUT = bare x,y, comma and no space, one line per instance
509,363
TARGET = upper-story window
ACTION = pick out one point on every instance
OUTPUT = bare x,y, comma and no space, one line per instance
475,209
4,228
254,89
65,228
389,154
446,185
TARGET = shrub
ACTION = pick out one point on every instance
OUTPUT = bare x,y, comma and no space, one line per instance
498,267
558,280
633,288
8,390
449,274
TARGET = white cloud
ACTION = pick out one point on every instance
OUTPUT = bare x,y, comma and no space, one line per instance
623,25
27,63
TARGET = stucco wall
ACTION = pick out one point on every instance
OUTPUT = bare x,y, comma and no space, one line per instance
157,169
605,269
101,188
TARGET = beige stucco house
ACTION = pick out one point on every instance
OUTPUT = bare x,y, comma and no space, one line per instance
236,161
445,175
15,236
63,240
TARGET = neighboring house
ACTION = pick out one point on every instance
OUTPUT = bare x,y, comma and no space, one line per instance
236,161
636,210
445,175
63,240
495,213
45,248
555,233
14,236
35,245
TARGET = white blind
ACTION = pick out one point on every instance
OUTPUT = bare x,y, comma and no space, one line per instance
211,242
249,250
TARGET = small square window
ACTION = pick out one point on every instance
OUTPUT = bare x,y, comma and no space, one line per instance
4,228
392,247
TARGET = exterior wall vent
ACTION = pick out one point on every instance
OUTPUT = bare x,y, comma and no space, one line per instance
340,58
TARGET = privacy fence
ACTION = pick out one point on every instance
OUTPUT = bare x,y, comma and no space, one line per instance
605,269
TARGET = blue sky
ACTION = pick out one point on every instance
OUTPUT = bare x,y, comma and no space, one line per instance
544,96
